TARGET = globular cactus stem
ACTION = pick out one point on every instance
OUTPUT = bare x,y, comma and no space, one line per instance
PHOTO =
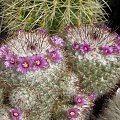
23,98
95,54
34,64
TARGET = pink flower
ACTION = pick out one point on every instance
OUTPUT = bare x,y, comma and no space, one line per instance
10,60
80,100
75,46
68,29
38,61
116,49
72,113
16,114
85,48
55,55
24,65
42,32
4,50
118,41
107,50
105,28
20,33
93,96
57,41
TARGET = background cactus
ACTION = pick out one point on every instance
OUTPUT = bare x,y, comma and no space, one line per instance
112,107
51,14
94,54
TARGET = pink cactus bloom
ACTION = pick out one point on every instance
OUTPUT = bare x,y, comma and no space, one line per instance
42,32
10,60
68,29
24,65
16,114
93,96
76,46
80,100
4,50
107,50
55,55
57,41
85,48
38,62
118,41
116,49
72,113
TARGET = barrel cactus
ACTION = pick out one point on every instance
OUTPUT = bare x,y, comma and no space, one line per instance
51,14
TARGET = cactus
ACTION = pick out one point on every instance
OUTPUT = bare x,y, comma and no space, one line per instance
51,14
95,53
112,107
34,65
1,95
36,46
4,115
23,98
50,78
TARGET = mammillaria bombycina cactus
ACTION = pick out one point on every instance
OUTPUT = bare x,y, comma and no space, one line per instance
34,66
32,54
95,54
51,14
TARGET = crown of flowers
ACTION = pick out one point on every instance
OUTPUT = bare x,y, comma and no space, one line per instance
82,102
35,62
94,42
87,45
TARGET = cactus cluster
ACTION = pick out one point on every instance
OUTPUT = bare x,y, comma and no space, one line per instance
51,14
54,78
36,90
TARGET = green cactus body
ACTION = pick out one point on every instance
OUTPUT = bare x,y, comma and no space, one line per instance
51,14
96,67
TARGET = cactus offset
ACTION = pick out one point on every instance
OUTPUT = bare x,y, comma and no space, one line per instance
94,52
